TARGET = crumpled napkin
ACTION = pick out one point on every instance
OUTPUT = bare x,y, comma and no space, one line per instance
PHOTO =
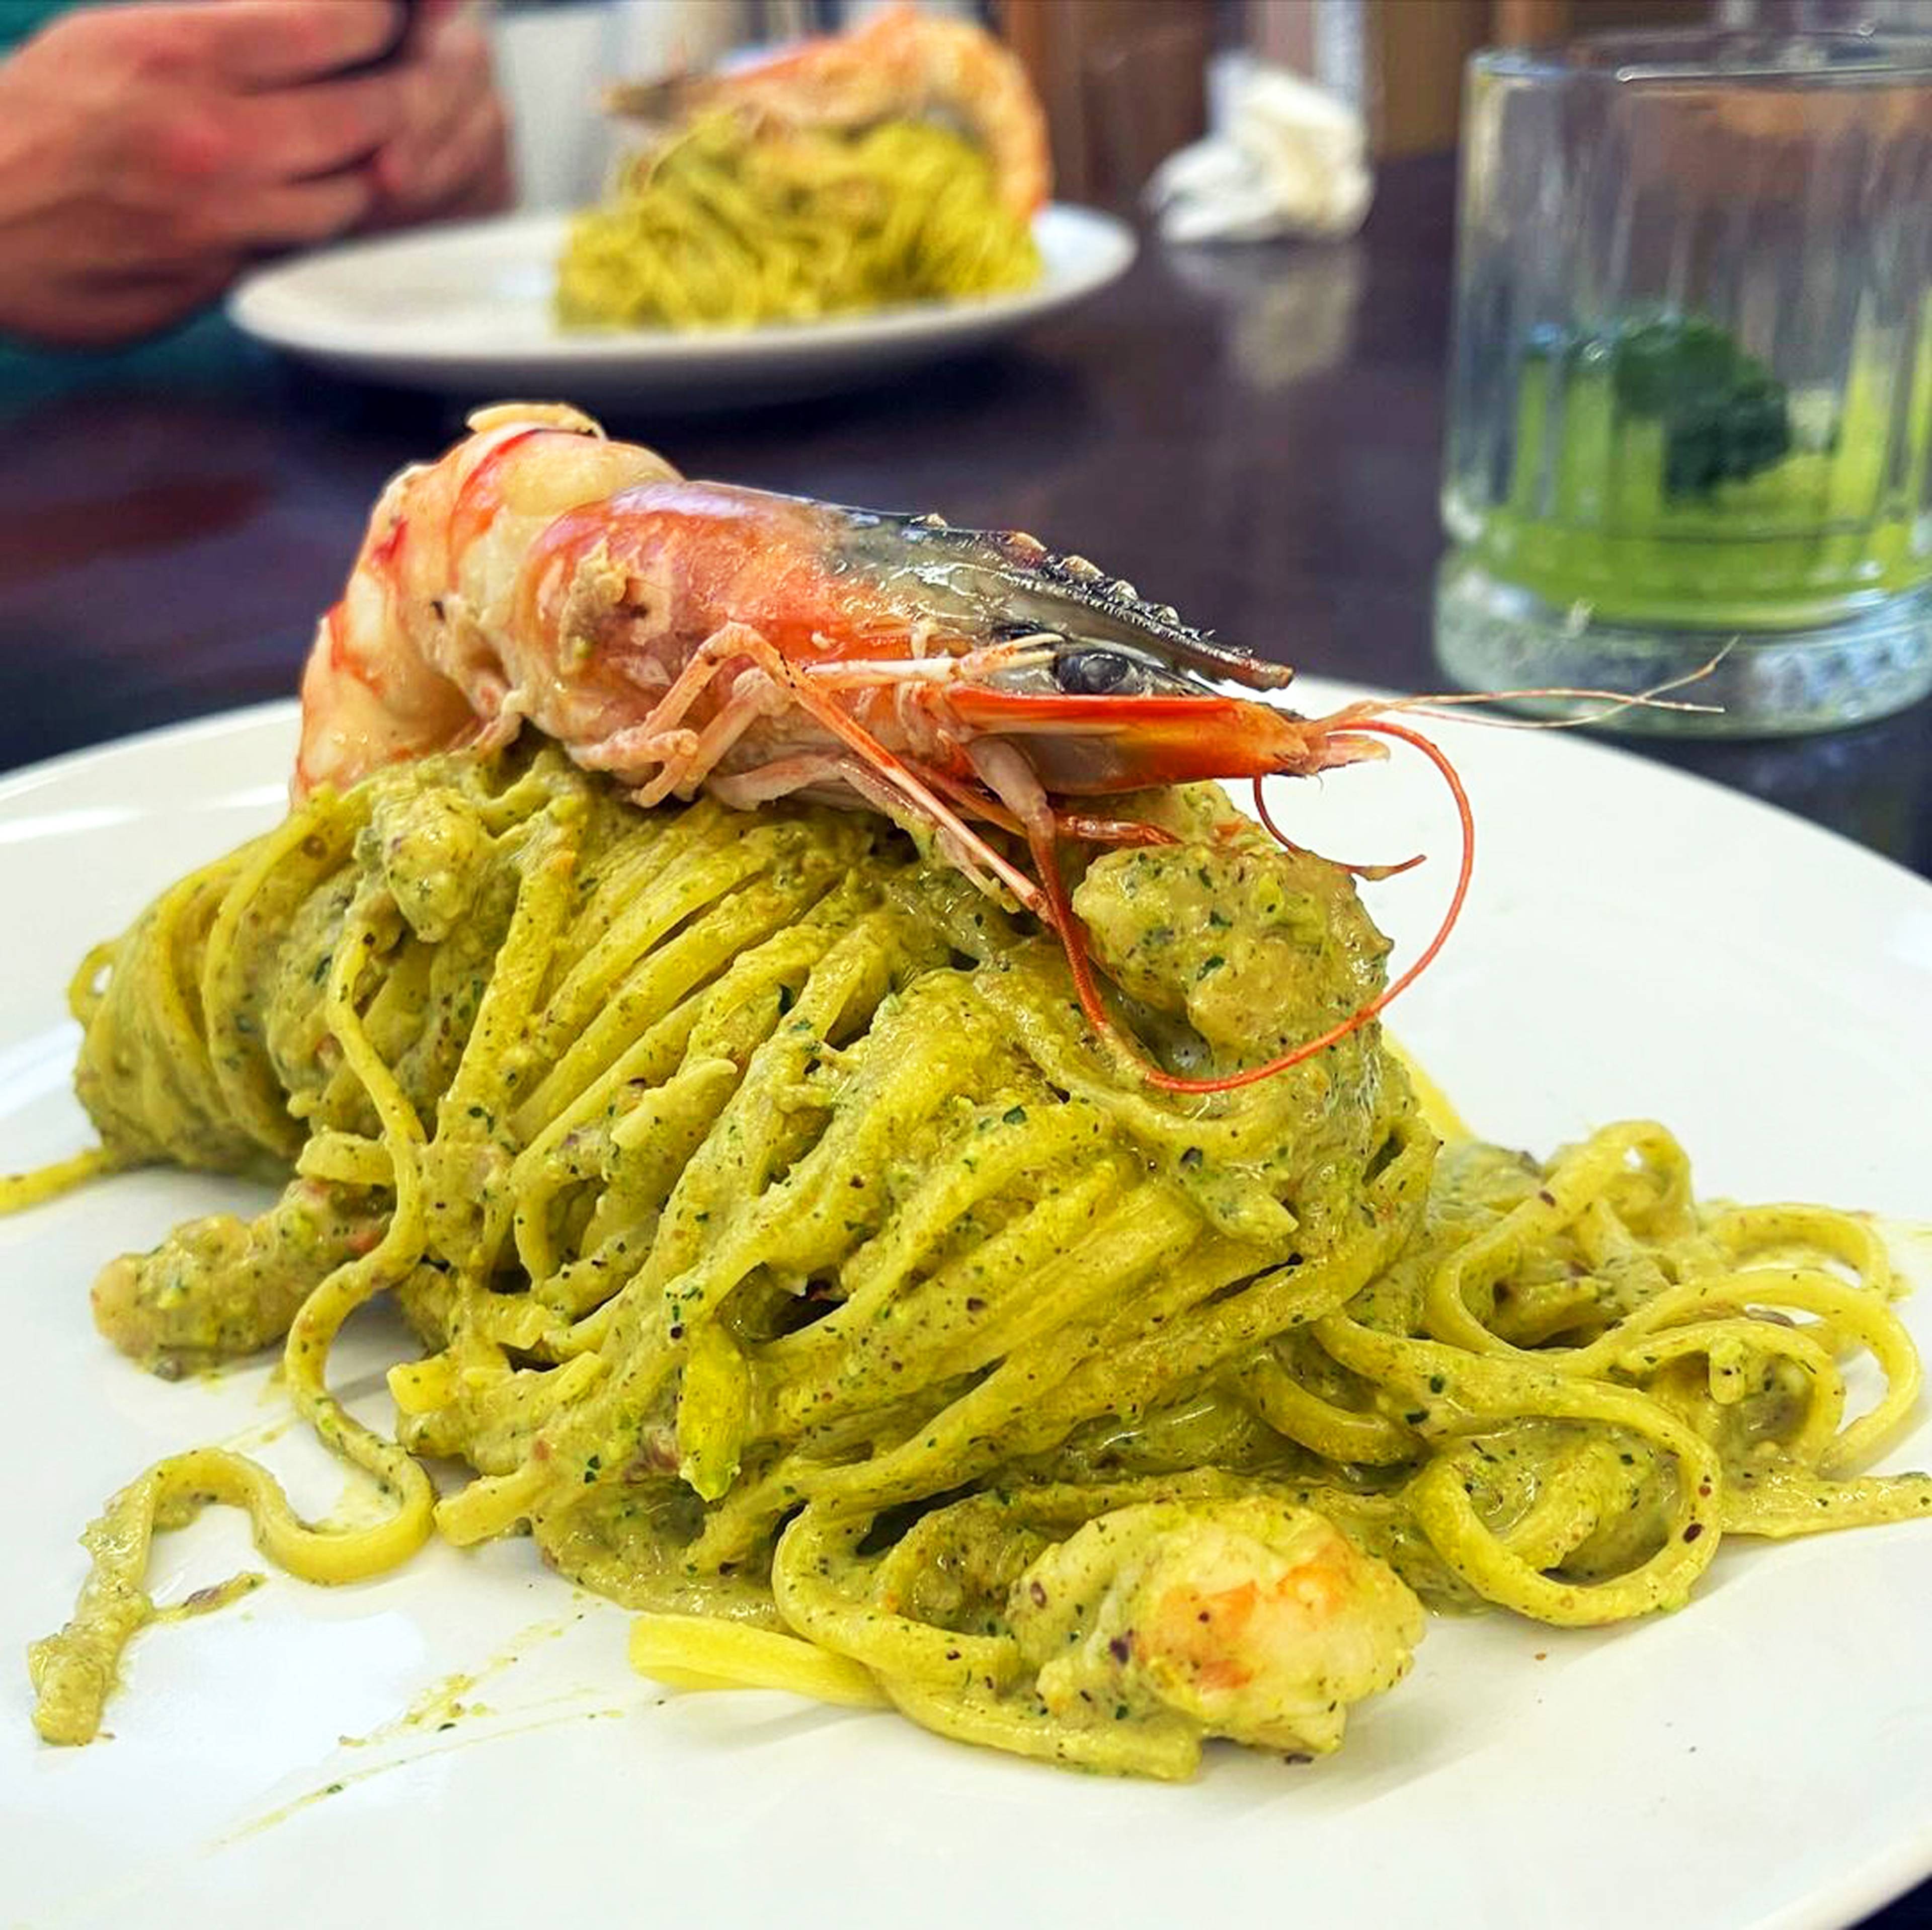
1284,156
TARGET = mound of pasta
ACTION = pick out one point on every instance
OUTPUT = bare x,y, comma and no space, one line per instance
790,1258
730,221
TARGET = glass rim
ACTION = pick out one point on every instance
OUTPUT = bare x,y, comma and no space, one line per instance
1756,57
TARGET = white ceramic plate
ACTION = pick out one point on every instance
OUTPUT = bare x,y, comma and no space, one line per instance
466,310
1637,942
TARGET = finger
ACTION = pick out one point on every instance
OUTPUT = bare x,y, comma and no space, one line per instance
481,179
447,80
294,132
470,173
260,43
490,187
476,149
452,99
427,16
297,213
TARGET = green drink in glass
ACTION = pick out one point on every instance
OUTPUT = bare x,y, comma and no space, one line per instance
1691,397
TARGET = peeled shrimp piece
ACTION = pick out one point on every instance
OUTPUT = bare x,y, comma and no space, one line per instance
1252,1618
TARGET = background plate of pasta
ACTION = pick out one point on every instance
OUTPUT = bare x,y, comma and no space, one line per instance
462,1738
810,216
471,310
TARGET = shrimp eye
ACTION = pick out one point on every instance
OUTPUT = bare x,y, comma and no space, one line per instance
1093,672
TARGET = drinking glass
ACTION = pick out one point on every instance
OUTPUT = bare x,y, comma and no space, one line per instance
1690,395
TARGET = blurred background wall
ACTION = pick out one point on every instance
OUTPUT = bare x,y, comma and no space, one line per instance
1122,79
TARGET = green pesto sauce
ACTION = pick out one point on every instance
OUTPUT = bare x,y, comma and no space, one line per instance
701,1099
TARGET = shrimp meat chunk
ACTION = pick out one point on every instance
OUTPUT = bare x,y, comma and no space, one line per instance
1250,1618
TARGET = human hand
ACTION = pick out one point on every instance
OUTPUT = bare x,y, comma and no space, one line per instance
148,152
450,160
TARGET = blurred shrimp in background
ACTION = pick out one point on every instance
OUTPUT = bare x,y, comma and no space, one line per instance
151,150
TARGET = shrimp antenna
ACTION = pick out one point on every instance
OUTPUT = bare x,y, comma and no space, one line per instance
1073,938
1614,703
1372,873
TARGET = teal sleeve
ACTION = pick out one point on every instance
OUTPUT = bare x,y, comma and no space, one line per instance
21,19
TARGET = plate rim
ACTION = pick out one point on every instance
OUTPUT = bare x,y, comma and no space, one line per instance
21,778
1336,690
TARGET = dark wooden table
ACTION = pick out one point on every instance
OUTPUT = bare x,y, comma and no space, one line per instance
1253,435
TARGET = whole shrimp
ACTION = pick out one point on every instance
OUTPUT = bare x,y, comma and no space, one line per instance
681,635
902,64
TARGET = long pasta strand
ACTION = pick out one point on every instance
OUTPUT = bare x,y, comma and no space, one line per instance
731,222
